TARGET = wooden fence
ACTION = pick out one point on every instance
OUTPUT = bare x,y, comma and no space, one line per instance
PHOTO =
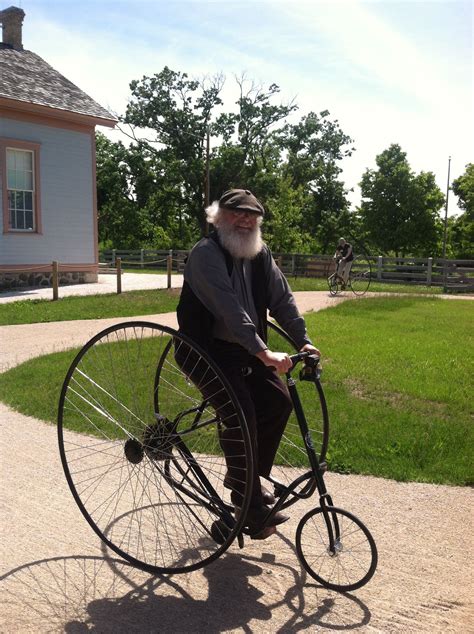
454,275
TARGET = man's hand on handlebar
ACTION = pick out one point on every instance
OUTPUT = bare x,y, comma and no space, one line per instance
278,360
310,348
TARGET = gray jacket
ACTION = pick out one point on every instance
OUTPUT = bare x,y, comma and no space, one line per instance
230,299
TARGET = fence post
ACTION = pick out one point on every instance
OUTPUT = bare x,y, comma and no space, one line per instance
118,264
55,269
445,276
379,267
169,267
429,272
279,262
141,258
113,257
293,264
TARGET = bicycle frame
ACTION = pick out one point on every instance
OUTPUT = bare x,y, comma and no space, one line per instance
205,493
317,468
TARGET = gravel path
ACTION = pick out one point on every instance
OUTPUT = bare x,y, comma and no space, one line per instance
105,284
56,576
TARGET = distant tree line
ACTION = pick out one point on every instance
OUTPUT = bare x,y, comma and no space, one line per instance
151,192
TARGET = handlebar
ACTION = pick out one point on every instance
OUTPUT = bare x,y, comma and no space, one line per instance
312,359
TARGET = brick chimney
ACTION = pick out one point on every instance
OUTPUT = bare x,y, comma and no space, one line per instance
12,20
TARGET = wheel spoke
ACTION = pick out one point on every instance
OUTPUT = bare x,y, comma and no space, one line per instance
352,562
140,444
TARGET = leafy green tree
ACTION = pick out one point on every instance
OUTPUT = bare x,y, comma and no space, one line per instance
314,147
462,228
400,210
463,188
118,216
282,227
160,188
249,155
175,112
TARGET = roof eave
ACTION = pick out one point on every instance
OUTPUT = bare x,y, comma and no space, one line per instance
56,113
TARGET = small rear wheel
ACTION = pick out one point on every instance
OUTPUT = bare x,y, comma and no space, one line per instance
336,549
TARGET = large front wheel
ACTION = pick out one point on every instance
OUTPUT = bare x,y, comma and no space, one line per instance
148,473
336,549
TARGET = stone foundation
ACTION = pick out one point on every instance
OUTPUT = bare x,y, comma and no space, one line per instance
11,281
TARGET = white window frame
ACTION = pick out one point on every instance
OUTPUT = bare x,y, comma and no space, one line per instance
13,145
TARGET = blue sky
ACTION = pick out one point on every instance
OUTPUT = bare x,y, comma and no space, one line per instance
388,71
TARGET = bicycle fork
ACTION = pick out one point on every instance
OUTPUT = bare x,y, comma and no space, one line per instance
317,469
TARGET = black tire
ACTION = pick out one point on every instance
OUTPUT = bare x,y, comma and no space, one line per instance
360,275
291,458
150,481
351,562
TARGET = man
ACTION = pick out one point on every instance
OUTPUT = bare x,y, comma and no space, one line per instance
344,257
230,281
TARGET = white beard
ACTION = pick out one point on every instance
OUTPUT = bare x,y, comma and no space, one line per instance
245,244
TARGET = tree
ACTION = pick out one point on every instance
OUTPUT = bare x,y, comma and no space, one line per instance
314,147
282,228
117,212
162,172
175,112
463,188
249,155
462,228
400,210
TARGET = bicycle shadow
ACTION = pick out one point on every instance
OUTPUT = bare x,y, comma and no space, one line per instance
79,594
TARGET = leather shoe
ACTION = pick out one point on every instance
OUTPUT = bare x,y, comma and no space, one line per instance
267,532
268,497
255,520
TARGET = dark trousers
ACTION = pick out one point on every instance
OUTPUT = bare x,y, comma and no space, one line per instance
265,403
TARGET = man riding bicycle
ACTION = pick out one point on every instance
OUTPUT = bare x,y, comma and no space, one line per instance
344,257
231,281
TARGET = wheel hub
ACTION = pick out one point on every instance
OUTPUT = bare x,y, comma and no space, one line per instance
159,438
133,451
337,548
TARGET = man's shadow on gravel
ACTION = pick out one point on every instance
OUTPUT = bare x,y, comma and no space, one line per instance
95,594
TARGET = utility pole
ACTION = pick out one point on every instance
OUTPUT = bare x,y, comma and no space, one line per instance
207,189
446,212
207,202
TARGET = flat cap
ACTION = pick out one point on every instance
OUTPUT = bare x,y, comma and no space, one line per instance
242,200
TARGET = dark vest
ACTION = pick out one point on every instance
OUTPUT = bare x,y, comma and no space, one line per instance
196,321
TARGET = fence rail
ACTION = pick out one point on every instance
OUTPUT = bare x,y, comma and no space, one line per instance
452,274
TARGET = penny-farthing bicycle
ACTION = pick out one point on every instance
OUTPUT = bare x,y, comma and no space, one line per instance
359,277
142,416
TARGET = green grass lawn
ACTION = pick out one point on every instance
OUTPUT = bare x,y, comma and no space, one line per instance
318,284
397,375
90,307
147,302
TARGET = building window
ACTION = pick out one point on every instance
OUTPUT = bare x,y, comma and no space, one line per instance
20,189
20,178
